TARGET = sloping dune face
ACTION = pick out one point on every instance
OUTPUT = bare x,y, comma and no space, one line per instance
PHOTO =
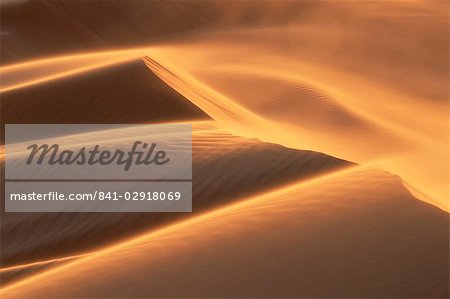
125,92
366,83
218,179
42,70
342,232
281,94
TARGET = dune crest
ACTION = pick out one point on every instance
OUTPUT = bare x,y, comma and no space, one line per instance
287,261
282,85
307,117
20,75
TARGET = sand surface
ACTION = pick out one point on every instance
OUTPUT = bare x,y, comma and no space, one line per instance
320,146
354,233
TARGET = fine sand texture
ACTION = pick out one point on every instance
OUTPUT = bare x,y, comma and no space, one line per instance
352,233
320,146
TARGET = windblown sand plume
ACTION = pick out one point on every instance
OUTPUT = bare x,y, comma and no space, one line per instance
320,146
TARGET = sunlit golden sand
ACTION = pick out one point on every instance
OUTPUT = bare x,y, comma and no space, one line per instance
217,182
279,90
363,83
24,266
43,70
339,105
258,221
393,138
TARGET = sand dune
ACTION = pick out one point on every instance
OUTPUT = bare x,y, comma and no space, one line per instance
284,85
281,95
42,70
342,231
218,178
15,273
125,93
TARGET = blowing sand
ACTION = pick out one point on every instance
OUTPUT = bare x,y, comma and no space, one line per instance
320,146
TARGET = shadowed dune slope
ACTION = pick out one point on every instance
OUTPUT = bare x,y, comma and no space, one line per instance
225,168
268,86
305,70
349,232
126,93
